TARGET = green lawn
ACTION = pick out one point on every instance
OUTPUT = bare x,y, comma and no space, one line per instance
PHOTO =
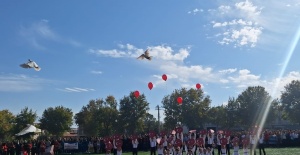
269,151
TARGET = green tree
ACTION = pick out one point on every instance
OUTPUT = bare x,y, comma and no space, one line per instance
57,120
290,99
26,116
217,116
107,116
132,113
232,114
253,103
6,124
151,124
192,112
85,119
99,117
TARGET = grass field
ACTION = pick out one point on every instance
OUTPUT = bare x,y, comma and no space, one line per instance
269,151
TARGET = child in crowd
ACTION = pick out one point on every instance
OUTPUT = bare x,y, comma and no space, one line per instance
119,150
178,151
160,149
236,146
223,149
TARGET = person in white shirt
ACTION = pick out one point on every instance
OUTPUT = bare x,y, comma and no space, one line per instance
165,143
189,152
114,146
119,150
203,137
135,144
108,152
199,151
228,145
205,152
167,152
210,142
190,149
253,141
245,149
152,146
219,136
178,151
236,146
209,151
160,149
223,150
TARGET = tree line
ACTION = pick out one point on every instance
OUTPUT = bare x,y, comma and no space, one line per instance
102,117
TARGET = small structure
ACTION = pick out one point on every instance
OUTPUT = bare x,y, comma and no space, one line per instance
29,129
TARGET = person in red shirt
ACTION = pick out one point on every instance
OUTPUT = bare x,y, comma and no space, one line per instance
266,137
42,147
4,149
56,147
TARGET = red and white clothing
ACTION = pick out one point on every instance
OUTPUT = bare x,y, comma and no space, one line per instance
119,151
236,150
135,143
245,151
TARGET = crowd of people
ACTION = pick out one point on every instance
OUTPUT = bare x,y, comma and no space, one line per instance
204,142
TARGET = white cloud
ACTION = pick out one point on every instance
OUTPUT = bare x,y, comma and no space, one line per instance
228,71
247,35
110,53
167,53
224,80
76,89
249,23
195,11
244,79
239,30
40,31
160,52
282,82
244,76
220,24
223,9
96,72
232,22
248,7
20,83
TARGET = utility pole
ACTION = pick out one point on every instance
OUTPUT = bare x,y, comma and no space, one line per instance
158,108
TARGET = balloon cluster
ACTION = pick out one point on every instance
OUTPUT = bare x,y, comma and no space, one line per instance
165,77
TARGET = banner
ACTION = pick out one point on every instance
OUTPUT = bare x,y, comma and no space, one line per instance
70,146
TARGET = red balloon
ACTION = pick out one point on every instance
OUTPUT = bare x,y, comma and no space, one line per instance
198,86
164,77
136,94
179,100
150,85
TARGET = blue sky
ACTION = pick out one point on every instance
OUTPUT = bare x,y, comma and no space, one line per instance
88,49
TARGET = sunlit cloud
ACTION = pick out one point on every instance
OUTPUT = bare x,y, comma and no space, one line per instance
247,23
236,24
